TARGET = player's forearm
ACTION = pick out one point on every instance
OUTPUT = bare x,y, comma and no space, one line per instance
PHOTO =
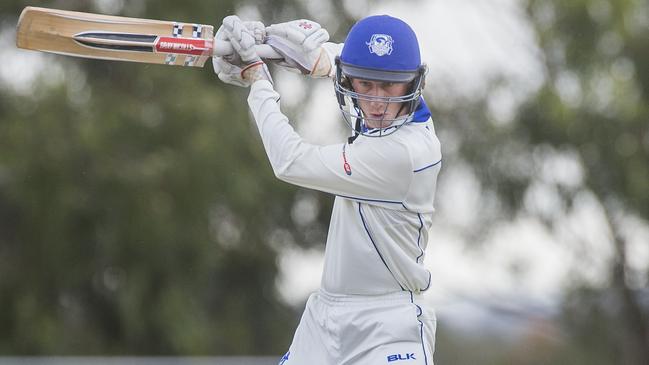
281,142
322,167
328,68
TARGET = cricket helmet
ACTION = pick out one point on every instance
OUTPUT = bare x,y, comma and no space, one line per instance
384,49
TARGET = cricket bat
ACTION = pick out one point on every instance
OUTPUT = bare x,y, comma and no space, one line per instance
119,38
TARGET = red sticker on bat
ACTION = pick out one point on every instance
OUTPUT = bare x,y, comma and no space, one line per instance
190,46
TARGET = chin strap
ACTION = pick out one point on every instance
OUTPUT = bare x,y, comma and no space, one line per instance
357,126
357,130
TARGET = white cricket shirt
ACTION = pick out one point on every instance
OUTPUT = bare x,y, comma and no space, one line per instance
384,197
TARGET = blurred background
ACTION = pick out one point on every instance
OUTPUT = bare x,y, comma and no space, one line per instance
139,215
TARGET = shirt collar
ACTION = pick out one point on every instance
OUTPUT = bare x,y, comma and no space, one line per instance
422,113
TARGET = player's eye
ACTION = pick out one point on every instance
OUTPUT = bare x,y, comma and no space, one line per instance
391,85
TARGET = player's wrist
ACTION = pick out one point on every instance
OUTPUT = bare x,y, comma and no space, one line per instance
256,71
322,65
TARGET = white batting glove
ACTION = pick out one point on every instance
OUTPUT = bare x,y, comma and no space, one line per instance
228,68
258,29
300,42
229,73
242,39
244,66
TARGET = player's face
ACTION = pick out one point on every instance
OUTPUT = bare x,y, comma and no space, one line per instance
376,112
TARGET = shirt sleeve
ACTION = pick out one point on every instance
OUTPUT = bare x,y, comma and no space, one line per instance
378,169
333,50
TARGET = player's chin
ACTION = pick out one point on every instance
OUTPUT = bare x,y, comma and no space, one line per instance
374,124
378,120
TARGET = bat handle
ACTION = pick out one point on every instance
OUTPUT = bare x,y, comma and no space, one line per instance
224,48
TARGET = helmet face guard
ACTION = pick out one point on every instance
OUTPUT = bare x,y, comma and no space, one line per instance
348,98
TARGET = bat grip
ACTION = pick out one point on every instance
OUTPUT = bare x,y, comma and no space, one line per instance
224,48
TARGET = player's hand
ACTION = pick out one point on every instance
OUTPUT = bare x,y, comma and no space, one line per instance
258,30
228,73
300,42
242,39
228,68
244,66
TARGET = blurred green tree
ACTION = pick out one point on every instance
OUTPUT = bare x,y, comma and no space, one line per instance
602,48
138,212
592,112
137,206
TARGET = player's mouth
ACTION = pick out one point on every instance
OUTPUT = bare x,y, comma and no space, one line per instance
377,116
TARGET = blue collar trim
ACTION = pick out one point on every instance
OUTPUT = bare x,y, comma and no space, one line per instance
422,114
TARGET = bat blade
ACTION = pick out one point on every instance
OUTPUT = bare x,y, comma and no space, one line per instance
114,38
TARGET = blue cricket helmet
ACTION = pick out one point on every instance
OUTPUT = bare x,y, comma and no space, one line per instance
385,49
381,48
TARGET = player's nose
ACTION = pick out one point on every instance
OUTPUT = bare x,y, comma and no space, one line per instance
377,92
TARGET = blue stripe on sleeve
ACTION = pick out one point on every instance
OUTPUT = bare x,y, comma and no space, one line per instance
370,200
429,166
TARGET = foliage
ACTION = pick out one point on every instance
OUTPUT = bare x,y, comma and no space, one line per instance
137,207
593,111
138,213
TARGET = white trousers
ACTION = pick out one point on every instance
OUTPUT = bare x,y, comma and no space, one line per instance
394,329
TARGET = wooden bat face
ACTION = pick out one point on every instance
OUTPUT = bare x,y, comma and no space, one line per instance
114,38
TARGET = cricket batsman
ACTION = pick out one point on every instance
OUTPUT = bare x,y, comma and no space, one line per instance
369,308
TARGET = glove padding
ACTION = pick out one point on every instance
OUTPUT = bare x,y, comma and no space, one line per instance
241,38
242,67
229,73
300,43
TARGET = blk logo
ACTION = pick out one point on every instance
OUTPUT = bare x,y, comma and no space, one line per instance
399,357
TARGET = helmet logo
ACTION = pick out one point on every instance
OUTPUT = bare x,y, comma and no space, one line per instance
380,44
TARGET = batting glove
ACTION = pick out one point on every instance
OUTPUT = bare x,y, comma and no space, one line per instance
301,42
243,67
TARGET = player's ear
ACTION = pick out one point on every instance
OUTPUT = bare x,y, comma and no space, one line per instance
420,80
346,82
343,79
423,71
342,83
